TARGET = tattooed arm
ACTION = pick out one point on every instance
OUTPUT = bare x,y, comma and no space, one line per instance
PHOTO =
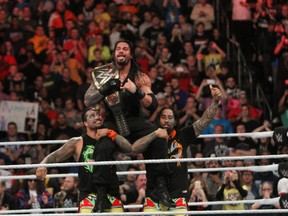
61,154
209,113
140,145
92,96
123,144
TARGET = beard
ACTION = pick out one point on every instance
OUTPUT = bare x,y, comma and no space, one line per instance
124,62
169,130
70,190
96,127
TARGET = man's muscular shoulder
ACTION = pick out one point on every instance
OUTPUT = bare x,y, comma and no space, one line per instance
78,144
75,140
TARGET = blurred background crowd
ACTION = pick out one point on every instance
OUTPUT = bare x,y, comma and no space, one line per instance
48,49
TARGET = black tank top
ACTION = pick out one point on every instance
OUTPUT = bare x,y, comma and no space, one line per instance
130,103
85,173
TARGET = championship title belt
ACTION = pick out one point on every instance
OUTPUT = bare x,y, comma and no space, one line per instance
101,75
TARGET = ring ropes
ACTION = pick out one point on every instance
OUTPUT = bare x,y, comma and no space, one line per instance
254,135
253,168
211,212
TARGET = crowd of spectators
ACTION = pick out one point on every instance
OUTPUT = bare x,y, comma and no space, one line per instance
48,49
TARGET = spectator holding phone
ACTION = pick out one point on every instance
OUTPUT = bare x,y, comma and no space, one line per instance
210,53
199,192
202,95
231,190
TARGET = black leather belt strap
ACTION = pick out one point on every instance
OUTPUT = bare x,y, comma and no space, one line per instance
114,103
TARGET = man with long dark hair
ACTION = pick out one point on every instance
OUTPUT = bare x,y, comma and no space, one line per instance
125,91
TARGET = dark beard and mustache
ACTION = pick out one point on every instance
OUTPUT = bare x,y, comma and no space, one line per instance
70,190
122,63
96,127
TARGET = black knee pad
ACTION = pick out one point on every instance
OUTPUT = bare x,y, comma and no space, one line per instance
283,169
283,201
280,135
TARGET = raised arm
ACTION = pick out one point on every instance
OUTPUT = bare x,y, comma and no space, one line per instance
209,113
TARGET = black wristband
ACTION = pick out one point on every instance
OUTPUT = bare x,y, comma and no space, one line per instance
140,94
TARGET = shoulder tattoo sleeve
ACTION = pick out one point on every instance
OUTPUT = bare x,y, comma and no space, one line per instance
61,154
92,96
140,145
123,143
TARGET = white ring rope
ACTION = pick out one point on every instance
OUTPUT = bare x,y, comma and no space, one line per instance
211,212
252,168
63,175
260,201
98,163
266,168
252,135
38,142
